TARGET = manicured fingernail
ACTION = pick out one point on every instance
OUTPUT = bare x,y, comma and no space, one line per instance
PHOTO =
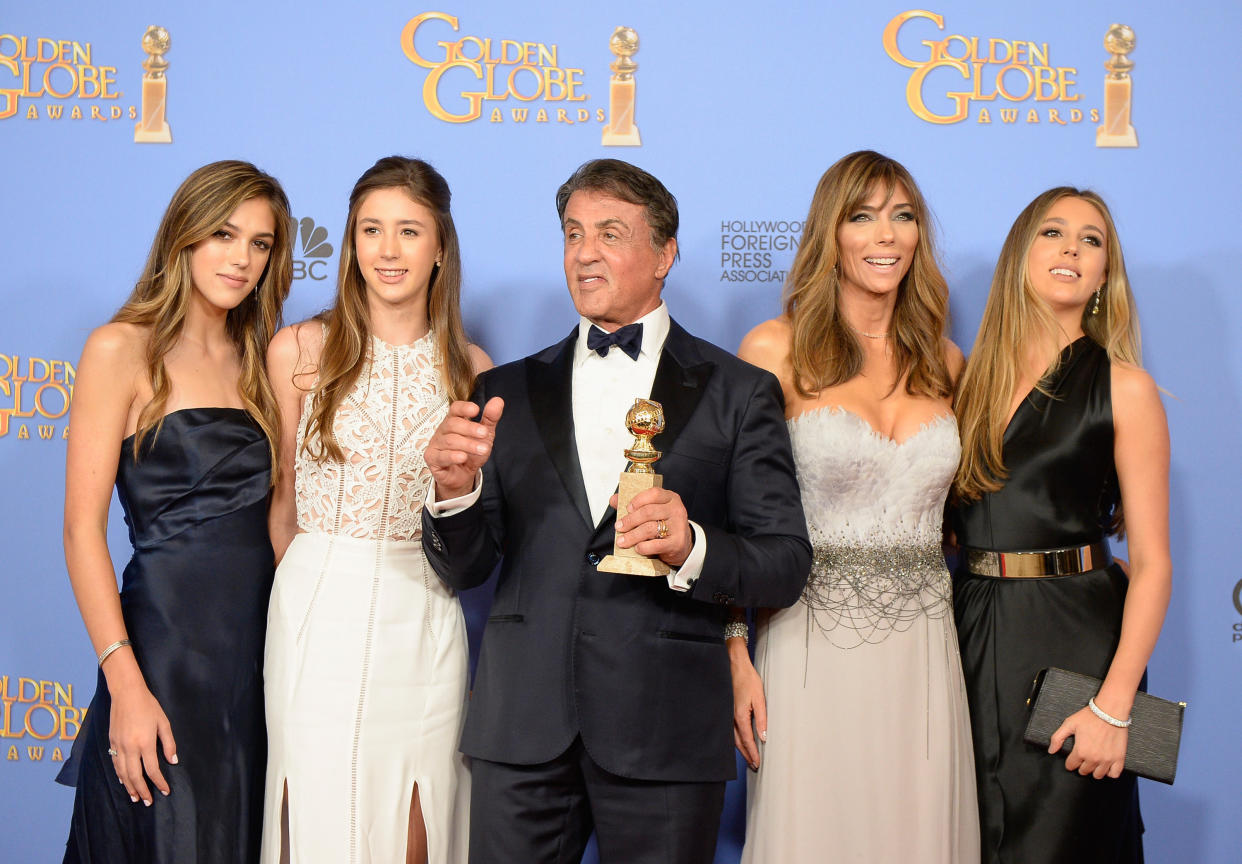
165,793
146,802
172,760
133,798
763,735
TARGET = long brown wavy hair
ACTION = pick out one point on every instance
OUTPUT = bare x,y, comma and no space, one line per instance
199,207
1015,319
824,350
346,347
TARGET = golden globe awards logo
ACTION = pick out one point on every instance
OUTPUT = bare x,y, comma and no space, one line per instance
1008,81
35,393
513,81
37,716
52,80
469,71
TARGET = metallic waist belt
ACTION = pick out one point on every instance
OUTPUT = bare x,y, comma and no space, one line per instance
1051,562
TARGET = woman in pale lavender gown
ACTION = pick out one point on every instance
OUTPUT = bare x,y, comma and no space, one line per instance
856,692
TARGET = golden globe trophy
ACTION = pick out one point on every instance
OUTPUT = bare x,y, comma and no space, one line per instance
153,127
1116,130
621,131
645,420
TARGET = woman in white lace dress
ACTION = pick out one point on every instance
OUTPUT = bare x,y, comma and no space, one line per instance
365,669
864,750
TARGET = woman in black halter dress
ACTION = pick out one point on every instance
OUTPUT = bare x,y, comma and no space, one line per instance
172,405
1083,444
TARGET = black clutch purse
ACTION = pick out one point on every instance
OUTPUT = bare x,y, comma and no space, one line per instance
1155,733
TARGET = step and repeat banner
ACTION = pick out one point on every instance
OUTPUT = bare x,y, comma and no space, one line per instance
738,107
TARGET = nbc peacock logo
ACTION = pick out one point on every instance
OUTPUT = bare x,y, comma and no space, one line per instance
1237,604
312,261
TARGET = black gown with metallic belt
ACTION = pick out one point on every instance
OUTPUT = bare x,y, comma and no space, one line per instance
1061,492
194,598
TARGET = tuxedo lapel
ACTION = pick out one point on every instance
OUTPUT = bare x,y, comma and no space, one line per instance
549,379
680,381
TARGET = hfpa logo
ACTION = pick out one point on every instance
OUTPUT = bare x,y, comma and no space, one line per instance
311,262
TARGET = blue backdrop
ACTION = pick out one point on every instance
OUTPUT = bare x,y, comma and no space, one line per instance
740,107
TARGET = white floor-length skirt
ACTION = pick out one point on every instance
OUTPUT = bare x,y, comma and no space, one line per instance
365,686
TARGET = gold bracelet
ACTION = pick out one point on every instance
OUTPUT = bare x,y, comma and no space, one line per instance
107,652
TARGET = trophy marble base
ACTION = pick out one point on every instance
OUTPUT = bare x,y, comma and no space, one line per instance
1116,130
627,560
629,138
640,566
152,136
1126,138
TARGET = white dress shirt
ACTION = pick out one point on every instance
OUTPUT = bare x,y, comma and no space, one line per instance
604,389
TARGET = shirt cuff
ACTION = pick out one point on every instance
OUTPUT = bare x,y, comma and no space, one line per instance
452,506
683,578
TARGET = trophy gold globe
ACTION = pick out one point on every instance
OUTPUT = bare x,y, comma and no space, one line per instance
645,420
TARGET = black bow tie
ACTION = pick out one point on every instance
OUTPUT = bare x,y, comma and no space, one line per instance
628,338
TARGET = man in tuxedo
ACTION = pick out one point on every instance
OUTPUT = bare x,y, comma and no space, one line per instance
603,701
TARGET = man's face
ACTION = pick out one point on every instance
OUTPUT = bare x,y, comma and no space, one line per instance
614,273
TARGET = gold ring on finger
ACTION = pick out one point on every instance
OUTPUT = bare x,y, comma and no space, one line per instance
661,529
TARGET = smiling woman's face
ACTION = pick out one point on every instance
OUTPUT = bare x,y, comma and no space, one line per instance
1068,260
876,242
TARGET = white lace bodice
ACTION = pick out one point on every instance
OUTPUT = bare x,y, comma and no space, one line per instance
382,426
874,511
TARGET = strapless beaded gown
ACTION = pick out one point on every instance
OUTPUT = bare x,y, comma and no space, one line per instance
194,598
366,648
868,757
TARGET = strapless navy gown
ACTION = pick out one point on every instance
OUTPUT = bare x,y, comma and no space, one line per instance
194,597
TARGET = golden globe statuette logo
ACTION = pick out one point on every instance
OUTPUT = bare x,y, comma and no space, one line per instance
621,130
1116,130
153,127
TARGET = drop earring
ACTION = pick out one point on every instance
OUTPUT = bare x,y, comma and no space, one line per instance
1095,309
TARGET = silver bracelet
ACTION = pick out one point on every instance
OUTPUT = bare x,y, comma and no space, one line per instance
738,630
1106,717
107,652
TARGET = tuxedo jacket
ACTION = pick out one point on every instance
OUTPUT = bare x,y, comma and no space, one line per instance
639,670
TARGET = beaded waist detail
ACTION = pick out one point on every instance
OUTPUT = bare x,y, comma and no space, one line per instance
859,593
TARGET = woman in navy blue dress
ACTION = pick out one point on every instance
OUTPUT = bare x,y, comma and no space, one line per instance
172,404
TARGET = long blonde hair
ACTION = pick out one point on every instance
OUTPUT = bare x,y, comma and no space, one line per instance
199,207
1017,318
346,344
824,350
